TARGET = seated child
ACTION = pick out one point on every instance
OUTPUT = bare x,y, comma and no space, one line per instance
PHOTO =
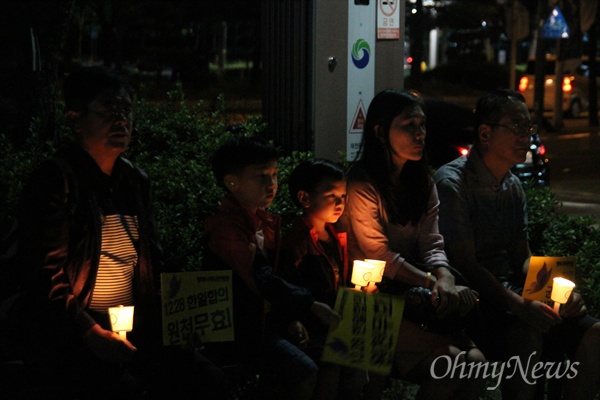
315,256
243,237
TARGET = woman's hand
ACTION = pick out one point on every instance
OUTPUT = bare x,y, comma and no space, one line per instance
444,294
371,288
108,346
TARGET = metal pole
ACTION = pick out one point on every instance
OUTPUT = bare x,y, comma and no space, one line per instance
557,120
540,66
512,56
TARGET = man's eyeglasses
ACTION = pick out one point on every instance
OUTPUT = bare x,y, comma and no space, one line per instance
520,130
125,113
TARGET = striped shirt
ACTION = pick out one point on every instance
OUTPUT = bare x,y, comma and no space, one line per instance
118,257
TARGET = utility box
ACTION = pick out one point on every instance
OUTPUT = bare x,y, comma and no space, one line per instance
359,51
323,61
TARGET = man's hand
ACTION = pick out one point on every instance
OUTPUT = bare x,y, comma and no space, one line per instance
108,346
574,307
539,315
468,298
325,314
444,293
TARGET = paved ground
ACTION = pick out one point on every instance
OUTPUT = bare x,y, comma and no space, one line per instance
574,154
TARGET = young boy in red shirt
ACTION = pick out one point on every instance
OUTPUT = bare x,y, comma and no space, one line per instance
244,237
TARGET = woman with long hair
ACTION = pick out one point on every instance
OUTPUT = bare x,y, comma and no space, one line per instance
392,215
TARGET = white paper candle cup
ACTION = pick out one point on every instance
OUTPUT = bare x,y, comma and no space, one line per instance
362,273
561,290
379,268
121,318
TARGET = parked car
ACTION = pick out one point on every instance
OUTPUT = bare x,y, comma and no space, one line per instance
535,169
575,87
451,133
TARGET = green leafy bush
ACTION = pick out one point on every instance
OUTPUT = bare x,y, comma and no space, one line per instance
173,143
553,233
17,164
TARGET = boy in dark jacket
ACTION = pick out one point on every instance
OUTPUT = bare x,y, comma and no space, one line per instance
315,256
243,237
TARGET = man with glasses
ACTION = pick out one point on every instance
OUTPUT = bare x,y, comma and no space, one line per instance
87,242
484,223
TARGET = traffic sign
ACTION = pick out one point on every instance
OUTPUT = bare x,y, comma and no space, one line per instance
555,26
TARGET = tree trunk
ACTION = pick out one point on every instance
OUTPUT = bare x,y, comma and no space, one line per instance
593,68
51,21
417,48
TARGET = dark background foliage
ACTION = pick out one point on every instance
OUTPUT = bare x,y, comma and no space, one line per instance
553,233
174,141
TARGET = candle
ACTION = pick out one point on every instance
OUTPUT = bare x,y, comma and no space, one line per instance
561,290
379,268
362,273
121,320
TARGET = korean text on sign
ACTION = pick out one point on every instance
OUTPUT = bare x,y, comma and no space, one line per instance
367,334
197,302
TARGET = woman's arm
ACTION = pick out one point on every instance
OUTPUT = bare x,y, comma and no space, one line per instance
369,225
430,241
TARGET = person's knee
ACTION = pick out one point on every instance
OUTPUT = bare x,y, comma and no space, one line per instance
523,336
298,371
590,341
475,356
443,358
593,333
448,351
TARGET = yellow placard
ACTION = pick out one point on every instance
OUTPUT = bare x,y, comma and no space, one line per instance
197,302
538,284
366,336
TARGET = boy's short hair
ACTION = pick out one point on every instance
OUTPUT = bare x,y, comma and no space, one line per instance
239,152
310,173
83,86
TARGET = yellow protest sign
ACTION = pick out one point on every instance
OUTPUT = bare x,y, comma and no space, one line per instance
200,302
538,284
367,333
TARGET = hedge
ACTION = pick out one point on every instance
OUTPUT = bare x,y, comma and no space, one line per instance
174,140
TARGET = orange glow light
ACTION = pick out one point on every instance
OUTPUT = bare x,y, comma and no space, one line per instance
567,87
542,150
523,83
